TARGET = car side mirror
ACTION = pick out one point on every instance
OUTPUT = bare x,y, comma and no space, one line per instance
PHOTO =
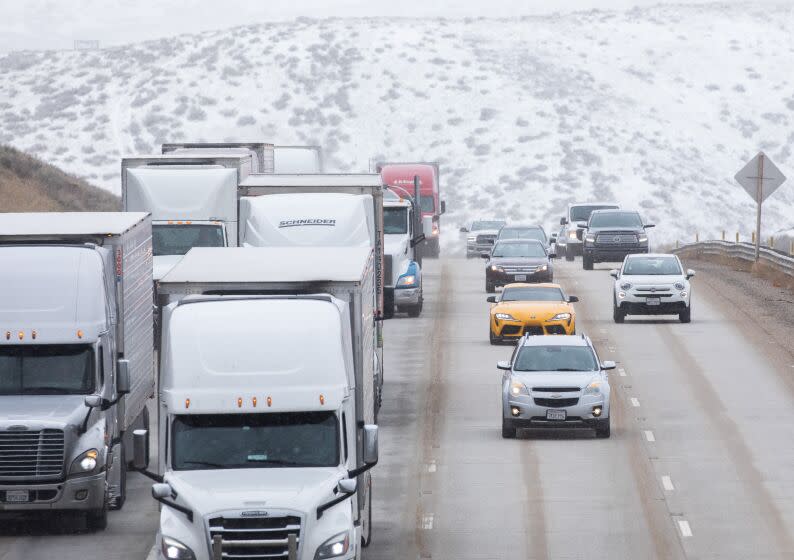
491,299
614,273
443,206
608,365
485,256
123,377
503,365
690,273
464,230
573,299
347,485
563,221
646,226
140,449
92,401
370,444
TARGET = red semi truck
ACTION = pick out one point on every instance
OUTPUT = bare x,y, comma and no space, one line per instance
400,174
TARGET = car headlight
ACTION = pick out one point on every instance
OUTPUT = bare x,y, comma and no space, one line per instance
517,388
594,388
642,238
495,268
175,550
625,286
471,238
333,547
571,235
561,317
407,280
543,268
590,237
85,463
505,317
679,285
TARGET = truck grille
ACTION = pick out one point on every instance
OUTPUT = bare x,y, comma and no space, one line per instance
31,454
616,239
486,239
254,538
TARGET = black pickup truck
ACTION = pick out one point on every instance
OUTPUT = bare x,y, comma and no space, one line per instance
610,235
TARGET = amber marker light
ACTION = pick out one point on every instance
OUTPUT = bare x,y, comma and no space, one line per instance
187,403
253,400
322,399
239,402
79,334
33,335
269,401
21,335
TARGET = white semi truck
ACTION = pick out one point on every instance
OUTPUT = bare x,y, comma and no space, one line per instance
76,362
403,241
298,159
192,196
266,404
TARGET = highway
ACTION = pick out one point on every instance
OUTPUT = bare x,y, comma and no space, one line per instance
698,465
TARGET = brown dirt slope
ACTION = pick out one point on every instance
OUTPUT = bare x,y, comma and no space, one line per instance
27,184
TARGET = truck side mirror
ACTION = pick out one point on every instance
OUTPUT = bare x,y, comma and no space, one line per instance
646,226
464,229
162,490
503,365
140,447
485,256
370,452
563,221
443,206
491,299
581,225
123,377
92,401
347,485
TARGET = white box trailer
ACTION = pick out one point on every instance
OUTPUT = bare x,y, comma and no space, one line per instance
298,159
274,346
263,153
76,310
192,198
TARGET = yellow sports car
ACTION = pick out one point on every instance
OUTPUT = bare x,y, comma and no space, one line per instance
531,309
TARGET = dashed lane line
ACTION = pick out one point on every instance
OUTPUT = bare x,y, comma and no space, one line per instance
667,483
649,436
686,530
635,402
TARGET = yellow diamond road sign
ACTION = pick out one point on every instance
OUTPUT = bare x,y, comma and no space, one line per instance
760,169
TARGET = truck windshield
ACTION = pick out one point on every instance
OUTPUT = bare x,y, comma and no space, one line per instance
253,441
178,239
582,213
395,220
616,219
556,358
57,369
426,203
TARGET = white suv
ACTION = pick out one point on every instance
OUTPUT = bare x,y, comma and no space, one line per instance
652,284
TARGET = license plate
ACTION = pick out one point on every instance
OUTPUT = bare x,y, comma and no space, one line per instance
554,414
17,496
653,301
521,277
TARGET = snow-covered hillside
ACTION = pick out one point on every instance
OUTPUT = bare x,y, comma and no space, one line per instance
655,107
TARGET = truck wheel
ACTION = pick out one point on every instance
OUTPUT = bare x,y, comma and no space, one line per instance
568,253
508,429
434,248
366,533
602,429
618,315
587,262
388,306
97,520
686,316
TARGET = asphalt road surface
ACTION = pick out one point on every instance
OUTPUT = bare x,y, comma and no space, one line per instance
698,466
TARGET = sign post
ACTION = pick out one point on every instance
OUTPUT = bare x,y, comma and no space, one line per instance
759,178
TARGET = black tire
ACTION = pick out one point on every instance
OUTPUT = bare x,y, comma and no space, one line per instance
618,315
508,429
388,306
366,539
569,256
118,502
587,262
494,339
97,520
686,316
490,288
602,429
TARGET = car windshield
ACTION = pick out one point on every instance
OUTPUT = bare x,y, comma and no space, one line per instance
395,220
555,358
427,203
522,233
531,293
38,369
486,224
652,266
178,239
616,219
582,213
250,441
513,249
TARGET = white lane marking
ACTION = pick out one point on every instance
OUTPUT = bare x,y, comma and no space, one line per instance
649,435
635,402
686,530
427,521
431,467
611,348
667,483
603,331
621,372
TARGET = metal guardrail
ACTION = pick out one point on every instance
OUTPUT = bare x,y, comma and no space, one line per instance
741,251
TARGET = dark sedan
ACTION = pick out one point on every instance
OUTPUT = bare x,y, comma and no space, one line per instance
517,261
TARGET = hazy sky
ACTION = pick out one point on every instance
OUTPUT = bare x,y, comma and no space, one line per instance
55,24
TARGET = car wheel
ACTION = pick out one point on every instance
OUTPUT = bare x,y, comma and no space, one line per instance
490,288
618,314
587,262
686,316
494,339
508,429
602,429
568,254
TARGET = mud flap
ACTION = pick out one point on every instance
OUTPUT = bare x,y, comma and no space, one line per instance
114,478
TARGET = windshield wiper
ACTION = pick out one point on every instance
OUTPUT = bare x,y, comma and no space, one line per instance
569,369
206,464
47,391
278,462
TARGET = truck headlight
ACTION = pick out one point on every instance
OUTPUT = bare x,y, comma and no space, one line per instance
407,280
594,388
505,317
543,268
86,463
571,235
642,238
175,550
495,268
590,237
333,547
517,388
561,317
471,238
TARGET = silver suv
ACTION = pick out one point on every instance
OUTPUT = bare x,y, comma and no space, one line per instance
555,382
480,236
